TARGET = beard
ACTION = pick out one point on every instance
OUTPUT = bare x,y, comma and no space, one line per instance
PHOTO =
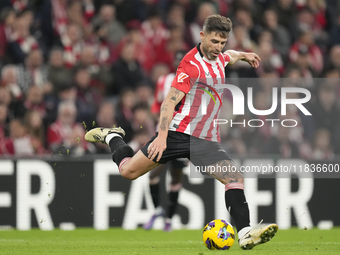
209,55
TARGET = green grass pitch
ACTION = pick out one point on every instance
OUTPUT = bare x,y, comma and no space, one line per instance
118,241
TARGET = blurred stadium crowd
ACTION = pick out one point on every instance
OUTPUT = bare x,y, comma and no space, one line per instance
70,65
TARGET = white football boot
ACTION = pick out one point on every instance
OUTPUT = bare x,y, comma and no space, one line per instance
99,134
259,235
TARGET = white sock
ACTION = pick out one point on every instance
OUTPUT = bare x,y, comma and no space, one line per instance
243,231
109,137
167,220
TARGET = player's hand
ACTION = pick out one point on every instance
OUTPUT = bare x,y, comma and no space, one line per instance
252,58
156,148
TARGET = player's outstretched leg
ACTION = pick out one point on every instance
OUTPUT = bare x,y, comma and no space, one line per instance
130,165
121,152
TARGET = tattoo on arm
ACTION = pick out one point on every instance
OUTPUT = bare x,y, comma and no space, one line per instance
164,107
175,95
164,123
173,98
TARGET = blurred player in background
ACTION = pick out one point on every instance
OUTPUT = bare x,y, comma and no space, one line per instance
175,166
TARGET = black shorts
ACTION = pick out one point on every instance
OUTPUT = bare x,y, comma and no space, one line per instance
178,163
199,151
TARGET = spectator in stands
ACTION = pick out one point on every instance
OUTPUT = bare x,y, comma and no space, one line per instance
15,107
9,80
34,124
286,11
35,101
157,71
80,12
100,76
156,35
53,21
205,9
124,115
306,41
20,143
86,96
175,16
304,65
107,16
269,56
144,93
65,136
57,73
134,35
73,44
33,72
7,20
142,118
68,92
17,5
334,57
22,43
174,43
312,16
99,41
243,16
190,8
126,71
280,35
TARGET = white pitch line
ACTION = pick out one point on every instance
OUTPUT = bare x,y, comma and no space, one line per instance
12,240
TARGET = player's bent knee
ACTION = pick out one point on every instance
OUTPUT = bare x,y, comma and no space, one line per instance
129,175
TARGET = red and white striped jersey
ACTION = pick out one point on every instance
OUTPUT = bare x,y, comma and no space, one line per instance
162,88
195,76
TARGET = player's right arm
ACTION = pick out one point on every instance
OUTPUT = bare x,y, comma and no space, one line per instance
173,97
180,86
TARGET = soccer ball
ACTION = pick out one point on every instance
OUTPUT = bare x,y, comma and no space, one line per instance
218,234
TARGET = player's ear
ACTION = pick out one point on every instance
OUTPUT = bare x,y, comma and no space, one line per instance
202,35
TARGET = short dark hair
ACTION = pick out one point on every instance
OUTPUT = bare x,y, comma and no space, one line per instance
219,24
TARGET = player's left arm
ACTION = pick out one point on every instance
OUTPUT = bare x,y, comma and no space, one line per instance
252,58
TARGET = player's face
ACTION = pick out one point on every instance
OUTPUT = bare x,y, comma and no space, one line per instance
212,45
